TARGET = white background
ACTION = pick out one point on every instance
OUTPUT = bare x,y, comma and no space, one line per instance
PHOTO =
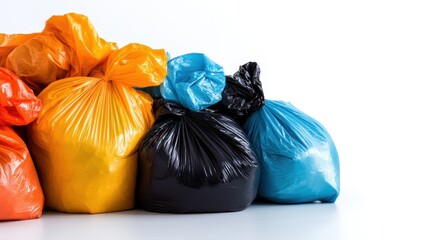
359,67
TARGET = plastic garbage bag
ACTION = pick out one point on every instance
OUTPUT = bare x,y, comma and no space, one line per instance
8,42
154,92
69,46
21,196
193,81
40,61
243,93
195,162
299,161
18,105
86,138
77,33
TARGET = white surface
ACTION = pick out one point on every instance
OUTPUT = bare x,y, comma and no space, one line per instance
359,67
350,218
320,221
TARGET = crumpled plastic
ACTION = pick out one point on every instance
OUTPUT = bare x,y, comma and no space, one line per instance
243,93
79,35
21,196
40,61
8,42
193,81
195,162
298,158
69,46
95,125
18,105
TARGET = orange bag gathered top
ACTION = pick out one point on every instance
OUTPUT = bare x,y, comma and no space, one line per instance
69,46
86,138
8,42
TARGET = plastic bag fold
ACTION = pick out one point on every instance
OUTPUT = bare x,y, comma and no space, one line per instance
18,104
193,81
298,158
21,196
243,93
96,124
68,46
195,162
8,42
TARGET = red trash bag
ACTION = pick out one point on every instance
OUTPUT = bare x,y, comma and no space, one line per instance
21,195
18,104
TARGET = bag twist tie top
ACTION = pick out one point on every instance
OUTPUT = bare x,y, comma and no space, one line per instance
193,81
135,65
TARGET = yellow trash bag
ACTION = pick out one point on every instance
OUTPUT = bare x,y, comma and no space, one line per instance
85,140
8,42
69,46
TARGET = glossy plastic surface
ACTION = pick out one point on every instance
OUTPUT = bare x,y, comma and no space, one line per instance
69,46
299,161
40,61
18,105
243,93
21,196
86,138
8,42
194,81
196,162
79,35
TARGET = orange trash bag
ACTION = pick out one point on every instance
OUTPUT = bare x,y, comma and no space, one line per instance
21,196
79,35
86,138
40,61
8,42
69,46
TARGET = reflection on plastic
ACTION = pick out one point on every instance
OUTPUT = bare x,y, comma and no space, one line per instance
18,105
196,162
21,196
194,81
79,35
86,138
243,93
40,61
299,161
8,42
69,46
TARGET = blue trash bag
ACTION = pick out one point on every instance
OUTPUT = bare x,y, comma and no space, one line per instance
298,158
193,81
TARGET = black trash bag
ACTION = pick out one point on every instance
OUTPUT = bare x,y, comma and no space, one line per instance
243,93
195,162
